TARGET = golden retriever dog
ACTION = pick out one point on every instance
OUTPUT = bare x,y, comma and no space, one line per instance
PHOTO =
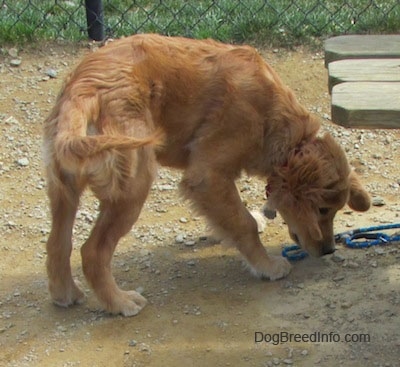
210,109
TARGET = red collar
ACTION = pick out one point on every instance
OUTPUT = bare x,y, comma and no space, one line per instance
268,190
296,150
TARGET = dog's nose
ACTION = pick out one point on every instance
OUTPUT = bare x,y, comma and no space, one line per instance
268,212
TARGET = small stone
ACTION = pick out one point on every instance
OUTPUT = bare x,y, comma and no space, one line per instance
190,243
51,73
352,265
145,252
15,62
304,352
276,361
378,201
368,355
346,304
180,238
132,343
11,120
376,156
326,116
287,284
288,361
337,258
11,224
144,348
379,251
23,162
165,187
140,290
183,220
338,278
13,52
373,264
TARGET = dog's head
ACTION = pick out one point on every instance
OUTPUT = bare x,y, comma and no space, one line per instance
310,188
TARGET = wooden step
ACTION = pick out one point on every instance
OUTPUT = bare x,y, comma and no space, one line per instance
366,105
362,47
363,70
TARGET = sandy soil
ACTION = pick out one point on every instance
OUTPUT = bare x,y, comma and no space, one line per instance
205,309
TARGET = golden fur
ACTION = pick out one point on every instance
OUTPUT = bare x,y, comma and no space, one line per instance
210,109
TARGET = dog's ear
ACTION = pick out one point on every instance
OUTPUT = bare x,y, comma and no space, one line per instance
359,199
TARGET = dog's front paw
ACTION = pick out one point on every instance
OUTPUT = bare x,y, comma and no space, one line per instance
272,268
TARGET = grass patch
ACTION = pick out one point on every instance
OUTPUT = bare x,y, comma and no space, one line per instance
278,22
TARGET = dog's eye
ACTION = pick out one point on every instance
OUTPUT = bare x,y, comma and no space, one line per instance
323,211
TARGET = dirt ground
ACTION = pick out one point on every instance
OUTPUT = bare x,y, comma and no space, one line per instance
205,309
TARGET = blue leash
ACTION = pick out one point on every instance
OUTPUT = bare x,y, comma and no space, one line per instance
294,253
352,239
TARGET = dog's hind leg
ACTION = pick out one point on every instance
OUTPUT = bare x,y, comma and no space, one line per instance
64,196
116,218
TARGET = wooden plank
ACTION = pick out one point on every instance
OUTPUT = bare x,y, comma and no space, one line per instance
364,70
366,105
362,47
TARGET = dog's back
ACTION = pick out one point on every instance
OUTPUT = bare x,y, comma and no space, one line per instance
137,84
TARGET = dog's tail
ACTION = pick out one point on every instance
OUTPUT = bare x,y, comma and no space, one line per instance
72,150
79,148
68,139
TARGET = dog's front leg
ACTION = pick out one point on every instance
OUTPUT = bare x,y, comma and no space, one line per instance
216,196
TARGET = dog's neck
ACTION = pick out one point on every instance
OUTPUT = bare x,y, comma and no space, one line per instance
297,150
287,145
288,127
287,130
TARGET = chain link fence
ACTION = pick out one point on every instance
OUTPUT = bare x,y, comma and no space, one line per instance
281,22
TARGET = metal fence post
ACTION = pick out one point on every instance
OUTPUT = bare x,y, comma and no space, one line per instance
95,19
